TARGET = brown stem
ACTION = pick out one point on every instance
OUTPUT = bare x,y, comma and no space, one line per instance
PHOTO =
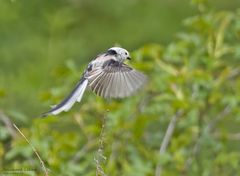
167,138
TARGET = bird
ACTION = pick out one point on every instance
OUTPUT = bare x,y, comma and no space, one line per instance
107,76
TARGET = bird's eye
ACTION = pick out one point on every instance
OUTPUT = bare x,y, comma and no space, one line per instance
125,53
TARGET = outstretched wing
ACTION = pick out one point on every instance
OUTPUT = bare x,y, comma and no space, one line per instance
67,103
115,80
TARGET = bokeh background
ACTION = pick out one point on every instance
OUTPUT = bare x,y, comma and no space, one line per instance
190,51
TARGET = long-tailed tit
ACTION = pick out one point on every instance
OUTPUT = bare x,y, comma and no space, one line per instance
108,76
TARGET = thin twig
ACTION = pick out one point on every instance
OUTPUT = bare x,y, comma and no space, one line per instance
229,136
167,138
208,129
89,145
234,73
34,150
98,159
8,124
212,124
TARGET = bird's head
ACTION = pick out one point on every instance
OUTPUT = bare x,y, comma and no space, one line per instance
120,53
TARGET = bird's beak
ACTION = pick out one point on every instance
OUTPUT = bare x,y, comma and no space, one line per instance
129,58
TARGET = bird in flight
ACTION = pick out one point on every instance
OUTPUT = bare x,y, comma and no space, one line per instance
108,76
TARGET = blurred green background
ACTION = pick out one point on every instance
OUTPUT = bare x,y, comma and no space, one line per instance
190,51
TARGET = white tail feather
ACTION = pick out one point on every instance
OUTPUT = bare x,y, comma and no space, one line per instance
75,96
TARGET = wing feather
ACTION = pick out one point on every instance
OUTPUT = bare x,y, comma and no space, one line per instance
105,84
115,80
109,86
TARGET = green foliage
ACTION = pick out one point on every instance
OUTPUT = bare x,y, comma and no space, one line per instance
198,73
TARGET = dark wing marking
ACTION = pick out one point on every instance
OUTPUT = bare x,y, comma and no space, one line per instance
111,52
115,80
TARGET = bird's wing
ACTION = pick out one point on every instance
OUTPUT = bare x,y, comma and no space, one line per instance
115,80
67,103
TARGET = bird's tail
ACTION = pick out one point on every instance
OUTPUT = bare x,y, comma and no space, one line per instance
67,103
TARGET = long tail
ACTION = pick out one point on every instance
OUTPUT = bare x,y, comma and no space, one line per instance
67,103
